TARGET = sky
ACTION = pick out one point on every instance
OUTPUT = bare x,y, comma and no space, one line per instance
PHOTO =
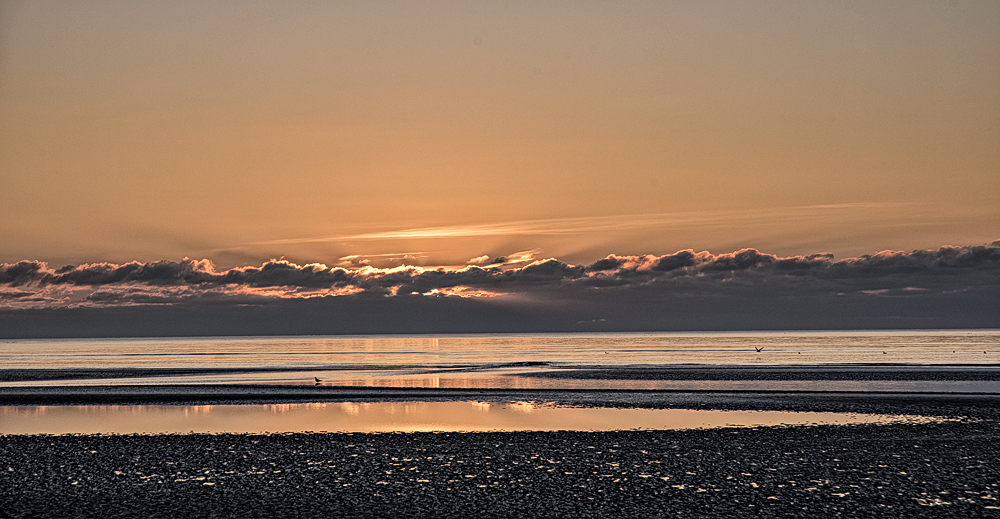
449,135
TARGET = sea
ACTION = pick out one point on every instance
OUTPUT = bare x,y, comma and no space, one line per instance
525,362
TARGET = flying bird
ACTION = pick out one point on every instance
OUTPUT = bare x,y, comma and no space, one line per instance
758,349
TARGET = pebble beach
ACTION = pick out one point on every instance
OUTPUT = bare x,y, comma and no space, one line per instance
928,470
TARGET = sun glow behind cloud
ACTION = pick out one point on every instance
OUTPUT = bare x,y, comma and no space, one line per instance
844,229
602,224
286,292
461,291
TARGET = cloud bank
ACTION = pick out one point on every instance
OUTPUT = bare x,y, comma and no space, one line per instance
949,279
948,267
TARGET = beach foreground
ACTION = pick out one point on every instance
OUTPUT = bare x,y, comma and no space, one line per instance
943,463
945,469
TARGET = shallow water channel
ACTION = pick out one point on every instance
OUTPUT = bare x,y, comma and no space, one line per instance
364,417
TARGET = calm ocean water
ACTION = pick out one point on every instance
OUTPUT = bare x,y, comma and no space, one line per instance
777,348
490,360
482,361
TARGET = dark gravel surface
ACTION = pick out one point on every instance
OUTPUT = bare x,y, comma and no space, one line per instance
931,470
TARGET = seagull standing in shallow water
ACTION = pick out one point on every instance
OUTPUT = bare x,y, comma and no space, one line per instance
317,380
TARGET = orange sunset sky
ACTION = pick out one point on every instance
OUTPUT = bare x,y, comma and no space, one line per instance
434,132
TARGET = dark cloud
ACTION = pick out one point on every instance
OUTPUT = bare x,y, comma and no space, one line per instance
949,269
946,260
547,270
21,273
158,272
15,294
741,260
681,259
609,263
283,273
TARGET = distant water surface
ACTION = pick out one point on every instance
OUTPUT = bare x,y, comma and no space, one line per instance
501,360
778,348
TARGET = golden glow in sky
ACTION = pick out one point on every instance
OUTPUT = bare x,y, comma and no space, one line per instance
434,132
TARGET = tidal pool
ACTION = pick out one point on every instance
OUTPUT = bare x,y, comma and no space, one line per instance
364,417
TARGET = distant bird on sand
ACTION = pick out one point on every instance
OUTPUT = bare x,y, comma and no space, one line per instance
884,353
317,380
758,349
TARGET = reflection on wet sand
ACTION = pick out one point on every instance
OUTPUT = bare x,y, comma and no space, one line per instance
393,416
530,379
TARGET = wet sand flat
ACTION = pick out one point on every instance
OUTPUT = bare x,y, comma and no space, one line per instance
857,372
869,372
518,377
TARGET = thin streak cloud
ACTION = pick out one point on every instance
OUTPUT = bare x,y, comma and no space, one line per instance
595,224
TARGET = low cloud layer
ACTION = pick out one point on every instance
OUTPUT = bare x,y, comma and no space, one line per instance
950,287
34,284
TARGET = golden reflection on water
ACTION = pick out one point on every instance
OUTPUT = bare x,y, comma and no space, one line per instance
506,362
390,416
875,347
